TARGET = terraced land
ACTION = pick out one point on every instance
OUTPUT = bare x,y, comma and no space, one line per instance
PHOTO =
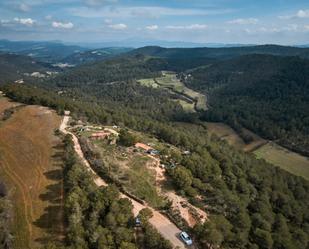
31,167
190,99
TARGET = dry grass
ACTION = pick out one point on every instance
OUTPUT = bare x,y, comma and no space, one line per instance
225,132
31,166
285,159
5,104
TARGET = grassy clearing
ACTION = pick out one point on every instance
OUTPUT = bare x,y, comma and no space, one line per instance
225,132
271,152
187,107
285,159
169,81
31,166
133,170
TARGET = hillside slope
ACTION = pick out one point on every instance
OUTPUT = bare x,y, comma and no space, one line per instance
221,53
264,93
13,67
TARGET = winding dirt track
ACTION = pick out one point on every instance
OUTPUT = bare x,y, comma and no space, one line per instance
168,230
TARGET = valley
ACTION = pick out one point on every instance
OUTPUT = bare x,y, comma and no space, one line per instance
191,101
146,143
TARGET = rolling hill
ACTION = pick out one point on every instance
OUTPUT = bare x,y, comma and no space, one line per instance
14,67
264,93
44,51
94,55
220,53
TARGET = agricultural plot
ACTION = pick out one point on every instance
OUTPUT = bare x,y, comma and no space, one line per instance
170,82
269,151
285,159
31,166
225,132
133,170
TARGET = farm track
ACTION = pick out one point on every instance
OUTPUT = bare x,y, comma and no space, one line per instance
167,229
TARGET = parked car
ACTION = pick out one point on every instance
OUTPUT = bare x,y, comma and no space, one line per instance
138,222
186,238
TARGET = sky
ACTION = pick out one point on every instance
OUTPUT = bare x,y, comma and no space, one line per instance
200,21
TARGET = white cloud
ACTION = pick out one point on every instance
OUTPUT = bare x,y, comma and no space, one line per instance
244,21
62,25
152,27
24,7
108,21
24,21
48,17
299,14
188,27
98,2
306,27
141,11
303,14
119,26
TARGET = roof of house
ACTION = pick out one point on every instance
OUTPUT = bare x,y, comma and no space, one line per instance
143,146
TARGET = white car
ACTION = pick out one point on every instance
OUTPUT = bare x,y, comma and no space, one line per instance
186,238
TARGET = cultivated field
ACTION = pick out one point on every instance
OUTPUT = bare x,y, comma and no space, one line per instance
271,152
30,164
170,82
285,159
225,132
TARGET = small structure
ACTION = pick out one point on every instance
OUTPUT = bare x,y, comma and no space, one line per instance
111,131
21,81
144,147
100,135
108,134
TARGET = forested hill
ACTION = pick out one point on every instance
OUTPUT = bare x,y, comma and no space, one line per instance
94,55
13,67
220,53
43,51
118,69
267,94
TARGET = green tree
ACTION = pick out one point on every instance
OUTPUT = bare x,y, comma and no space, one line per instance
126,138
263,239
182,177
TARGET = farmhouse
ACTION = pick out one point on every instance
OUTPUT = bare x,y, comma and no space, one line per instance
142,146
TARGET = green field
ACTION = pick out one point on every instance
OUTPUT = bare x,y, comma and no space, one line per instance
171,82
285,159
271,152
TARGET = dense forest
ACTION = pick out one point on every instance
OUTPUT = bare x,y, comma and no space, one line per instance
264,93
13,67
219,53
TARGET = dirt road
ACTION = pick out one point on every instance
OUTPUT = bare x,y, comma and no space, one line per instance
168,230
